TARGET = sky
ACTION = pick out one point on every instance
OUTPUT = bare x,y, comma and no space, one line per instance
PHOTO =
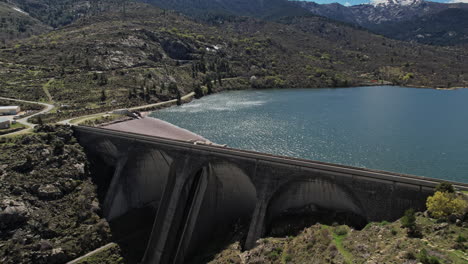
357,2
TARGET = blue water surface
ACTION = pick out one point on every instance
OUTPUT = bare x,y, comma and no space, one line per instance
408,130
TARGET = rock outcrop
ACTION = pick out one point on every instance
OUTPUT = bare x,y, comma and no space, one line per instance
48,205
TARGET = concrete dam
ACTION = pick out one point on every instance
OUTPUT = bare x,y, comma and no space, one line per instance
203,193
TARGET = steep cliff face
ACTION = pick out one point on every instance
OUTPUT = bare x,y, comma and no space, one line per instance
49,212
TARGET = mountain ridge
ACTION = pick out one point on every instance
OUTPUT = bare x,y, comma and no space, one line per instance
387,12
267,9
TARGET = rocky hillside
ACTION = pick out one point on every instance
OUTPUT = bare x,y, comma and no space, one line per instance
377,243
448,27
25,18
49,212
58,13
17,24
146,54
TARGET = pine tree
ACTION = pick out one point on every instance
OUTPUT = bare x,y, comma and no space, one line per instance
209,85
179,98
102,80
87,65
409,221
103,95
173,87
39,121
198,90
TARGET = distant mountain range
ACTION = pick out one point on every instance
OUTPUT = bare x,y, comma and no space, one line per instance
368,15
411,20
269,9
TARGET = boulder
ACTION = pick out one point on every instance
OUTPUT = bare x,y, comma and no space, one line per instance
57,256
45,245
3,170
80,167
49,192
440,226
45,152
95,206
67,186
12,213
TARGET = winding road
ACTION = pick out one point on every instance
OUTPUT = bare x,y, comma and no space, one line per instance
80,119
24,121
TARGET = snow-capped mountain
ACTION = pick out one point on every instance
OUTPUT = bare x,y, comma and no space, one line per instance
388,3
380,11
381,15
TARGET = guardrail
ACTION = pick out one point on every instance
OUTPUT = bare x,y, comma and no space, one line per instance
316,165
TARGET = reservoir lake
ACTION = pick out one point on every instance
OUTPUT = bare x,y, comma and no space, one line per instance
406,130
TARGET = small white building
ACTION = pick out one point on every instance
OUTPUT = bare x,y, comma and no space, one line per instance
9,110
4,123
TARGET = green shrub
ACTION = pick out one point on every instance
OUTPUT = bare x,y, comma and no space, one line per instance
341,231
275,253
424,258
445,187
408,76
58,147
384,223
443,204
286,258
410,255
461,239
409,221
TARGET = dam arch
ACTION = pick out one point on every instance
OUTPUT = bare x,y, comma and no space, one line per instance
303,202
213,198
139,181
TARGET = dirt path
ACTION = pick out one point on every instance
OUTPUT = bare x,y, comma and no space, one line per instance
92,253
46,90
